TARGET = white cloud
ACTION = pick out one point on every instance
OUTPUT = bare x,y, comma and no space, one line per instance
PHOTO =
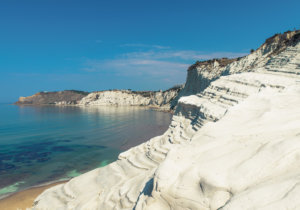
162,72
132,67
139,45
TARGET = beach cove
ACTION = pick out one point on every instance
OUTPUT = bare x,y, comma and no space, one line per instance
44,145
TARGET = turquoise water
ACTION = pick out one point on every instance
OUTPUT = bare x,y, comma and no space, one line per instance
47,143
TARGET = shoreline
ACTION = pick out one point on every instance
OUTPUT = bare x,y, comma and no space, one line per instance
151,107
3,196
24,199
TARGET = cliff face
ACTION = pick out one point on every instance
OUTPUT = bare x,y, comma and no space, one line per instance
159,99
66,97
233,143
201,74
155,99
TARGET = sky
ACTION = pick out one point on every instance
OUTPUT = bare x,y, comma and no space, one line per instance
52,45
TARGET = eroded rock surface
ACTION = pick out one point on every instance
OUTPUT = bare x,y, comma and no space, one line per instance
233,143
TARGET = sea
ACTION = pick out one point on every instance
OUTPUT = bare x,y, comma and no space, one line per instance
44,144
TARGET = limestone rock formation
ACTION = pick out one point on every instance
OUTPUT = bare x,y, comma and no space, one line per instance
159,99
233,143
154,99
201,74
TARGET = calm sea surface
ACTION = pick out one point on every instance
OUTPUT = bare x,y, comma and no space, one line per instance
48,143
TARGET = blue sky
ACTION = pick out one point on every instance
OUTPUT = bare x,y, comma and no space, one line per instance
137,44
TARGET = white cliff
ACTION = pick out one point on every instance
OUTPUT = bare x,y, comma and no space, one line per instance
201,74
233,143
159,99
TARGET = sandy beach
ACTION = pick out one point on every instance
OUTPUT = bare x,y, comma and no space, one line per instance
24,199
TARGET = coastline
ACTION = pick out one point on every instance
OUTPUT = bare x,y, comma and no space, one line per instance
151,107
24,199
